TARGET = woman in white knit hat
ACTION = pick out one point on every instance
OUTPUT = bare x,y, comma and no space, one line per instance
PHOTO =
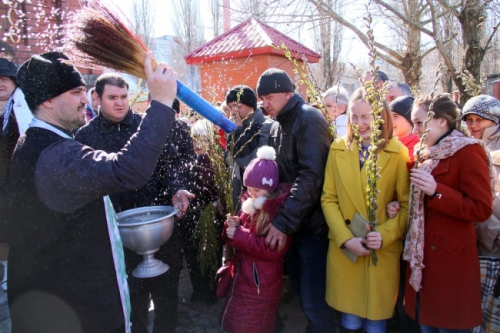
482,117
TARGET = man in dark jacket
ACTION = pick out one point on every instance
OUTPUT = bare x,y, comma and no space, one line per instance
302,139
66,269
110,131
14,115
14,119
252,132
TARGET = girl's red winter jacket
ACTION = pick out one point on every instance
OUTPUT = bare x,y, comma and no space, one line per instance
253,300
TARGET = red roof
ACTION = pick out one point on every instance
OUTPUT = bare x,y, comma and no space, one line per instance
251,37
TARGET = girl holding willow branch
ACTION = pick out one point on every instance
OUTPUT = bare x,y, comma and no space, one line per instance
365,294
252,302
453,189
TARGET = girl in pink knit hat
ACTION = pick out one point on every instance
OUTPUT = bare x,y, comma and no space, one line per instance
253,299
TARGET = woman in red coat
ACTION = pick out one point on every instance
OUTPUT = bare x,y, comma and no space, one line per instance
253,300
453,190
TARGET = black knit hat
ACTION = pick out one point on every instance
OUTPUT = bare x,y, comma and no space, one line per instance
47,75
402,105
272,81
243,94
7,68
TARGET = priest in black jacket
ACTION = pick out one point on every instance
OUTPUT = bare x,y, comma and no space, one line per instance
66,270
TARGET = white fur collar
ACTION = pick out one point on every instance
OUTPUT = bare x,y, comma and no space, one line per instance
250,206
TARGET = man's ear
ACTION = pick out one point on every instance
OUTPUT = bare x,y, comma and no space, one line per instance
49,104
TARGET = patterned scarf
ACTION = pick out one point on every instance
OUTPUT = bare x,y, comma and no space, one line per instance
414,247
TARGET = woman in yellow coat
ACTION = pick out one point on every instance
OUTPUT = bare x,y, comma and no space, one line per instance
363,293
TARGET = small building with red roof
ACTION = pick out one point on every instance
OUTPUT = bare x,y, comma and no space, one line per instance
241,54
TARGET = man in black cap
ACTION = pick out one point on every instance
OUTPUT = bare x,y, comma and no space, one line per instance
109,131
302,138
66,268
252,132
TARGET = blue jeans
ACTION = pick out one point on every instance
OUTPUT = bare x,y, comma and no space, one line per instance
353,322
429,329
312,250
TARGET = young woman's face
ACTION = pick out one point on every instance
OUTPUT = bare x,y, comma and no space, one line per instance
477,124
257,192
437,126
361,116
401,127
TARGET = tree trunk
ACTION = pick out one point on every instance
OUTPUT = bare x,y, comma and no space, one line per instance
338,31
325,32
411,65
472,31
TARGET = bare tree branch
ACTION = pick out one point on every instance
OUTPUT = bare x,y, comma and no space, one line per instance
403,18
321,6
143,19
440,46
428,51
490,38
453,9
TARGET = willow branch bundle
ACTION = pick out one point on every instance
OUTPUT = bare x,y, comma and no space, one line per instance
206,235
375,97
97,37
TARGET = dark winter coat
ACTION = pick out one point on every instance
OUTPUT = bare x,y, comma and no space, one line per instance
203,187
301,138
253,300
172,171
171,174
61,269
8,140
19,118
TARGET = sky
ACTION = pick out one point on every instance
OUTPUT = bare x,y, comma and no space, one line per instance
351,50
163,24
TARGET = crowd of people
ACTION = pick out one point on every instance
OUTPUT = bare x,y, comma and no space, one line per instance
70,159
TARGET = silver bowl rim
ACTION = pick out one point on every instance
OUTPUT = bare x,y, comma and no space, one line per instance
142,210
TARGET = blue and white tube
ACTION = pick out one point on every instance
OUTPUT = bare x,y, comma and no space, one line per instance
195,102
